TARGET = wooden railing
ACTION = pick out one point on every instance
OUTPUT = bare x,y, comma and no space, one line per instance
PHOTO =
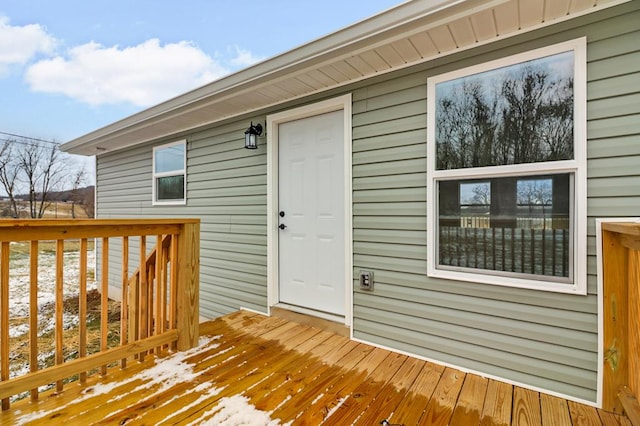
621,282
159,301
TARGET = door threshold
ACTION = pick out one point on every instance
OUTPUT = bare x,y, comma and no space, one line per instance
320,320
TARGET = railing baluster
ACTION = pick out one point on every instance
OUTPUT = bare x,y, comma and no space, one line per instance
533,250
493,248
59,356
104,301
124,304
33,312
522,242
82,305
513,250
565,251
158,287
173,307
504,257
4,317
144,292
151,276
553,257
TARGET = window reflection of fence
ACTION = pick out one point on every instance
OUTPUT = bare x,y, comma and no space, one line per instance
475,222
519,250
521,222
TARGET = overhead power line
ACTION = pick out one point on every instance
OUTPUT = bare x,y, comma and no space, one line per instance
28,138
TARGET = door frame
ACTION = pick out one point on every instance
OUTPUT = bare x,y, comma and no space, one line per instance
273,121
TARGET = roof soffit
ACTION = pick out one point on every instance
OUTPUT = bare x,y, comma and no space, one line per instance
398,38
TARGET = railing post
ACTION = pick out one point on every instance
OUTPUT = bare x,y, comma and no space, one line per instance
188,269
4,317
615,261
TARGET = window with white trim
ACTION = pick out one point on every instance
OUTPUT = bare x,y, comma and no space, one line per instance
507,171
169,173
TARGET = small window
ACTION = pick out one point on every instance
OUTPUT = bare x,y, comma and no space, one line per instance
169,173
506,167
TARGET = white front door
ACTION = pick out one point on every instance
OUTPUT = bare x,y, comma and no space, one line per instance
311,206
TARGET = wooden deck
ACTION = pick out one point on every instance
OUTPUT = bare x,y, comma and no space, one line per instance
299,374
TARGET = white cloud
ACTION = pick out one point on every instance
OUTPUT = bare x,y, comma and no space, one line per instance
243,58
141,75
19,44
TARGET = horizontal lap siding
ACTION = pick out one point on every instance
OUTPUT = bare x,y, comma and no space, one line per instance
541,339
226,189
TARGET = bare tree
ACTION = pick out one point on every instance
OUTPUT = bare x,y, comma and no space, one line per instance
31,170
88,202
43,172
9,175
78,179
522,116
482,194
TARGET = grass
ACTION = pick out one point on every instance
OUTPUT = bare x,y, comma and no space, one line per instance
54,210
20,346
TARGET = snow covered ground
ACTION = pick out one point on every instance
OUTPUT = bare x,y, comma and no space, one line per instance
19,287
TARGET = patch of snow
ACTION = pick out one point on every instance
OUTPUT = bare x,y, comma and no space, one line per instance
336,407
209,391
236,411
18,330
284,401
317,398
20,287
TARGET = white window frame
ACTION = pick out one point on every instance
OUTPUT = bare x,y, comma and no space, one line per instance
576,167
177,172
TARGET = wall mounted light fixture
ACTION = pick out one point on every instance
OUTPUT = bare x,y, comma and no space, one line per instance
251,136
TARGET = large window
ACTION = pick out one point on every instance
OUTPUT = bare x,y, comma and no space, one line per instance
169,173
506,160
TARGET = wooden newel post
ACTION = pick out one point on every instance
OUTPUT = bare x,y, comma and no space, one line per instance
615,260
621,309
188,291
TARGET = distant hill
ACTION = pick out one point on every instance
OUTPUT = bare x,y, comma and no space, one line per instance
60,204
66,196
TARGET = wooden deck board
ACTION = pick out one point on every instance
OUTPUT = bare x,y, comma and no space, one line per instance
497,404
336,389
302,375
412,407
468,410
317,384
441,405
367,390
392,393
555,411
526,407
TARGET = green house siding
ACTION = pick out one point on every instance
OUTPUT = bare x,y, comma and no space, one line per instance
545,340
541,339
226,189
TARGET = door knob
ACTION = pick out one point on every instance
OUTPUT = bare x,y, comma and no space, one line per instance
282,226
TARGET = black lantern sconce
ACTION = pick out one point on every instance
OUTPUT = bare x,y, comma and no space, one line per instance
251,136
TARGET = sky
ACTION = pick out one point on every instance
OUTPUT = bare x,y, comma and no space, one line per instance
68,67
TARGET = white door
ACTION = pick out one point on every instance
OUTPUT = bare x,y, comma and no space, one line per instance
311,205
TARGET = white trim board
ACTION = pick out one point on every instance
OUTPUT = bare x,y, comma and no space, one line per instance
335,104
599,222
